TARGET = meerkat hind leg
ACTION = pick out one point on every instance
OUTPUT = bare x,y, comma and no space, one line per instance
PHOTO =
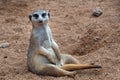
70,64
68,59
71,67
53,70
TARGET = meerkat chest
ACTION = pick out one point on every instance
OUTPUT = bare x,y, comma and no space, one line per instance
48,39
44,40
43,37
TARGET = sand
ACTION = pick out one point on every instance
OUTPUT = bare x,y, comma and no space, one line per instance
89,39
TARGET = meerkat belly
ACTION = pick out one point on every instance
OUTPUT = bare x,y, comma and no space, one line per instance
39,59
47,45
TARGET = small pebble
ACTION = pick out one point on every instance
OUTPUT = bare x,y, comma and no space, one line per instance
4,45
96,38
5,56
97,12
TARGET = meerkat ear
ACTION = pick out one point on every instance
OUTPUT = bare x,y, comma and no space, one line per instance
49,15
30,17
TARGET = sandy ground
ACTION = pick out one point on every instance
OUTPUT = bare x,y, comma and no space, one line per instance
77,32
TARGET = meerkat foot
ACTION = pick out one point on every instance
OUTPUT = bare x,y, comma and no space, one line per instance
72,74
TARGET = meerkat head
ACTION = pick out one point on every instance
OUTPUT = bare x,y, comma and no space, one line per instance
39,17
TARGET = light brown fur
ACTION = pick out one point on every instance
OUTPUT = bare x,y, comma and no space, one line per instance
44,56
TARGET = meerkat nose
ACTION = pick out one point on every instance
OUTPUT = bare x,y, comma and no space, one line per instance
40,21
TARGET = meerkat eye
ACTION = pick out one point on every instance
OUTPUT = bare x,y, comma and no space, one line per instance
35,15
43,15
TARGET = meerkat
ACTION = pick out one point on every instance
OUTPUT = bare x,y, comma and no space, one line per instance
44,56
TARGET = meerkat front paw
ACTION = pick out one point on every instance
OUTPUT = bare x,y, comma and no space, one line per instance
60,63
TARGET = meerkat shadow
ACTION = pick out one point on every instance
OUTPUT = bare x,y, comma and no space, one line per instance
90,72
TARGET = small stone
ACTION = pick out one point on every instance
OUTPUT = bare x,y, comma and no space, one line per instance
97,12
4,45
96,38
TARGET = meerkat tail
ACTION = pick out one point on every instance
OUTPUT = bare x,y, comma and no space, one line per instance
70,67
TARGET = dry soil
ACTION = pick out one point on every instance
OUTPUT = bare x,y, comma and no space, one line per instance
87,38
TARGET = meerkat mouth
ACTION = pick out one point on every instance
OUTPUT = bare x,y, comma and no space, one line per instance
40,21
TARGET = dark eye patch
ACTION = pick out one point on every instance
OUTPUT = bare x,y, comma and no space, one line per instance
43,15
35,15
